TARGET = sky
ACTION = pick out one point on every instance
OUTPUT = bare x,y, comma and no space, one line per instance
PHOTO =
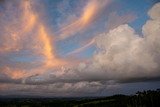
78,48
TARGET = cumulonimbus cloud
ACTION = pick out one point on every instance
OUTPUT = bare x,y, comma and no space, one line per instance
121,56
120,51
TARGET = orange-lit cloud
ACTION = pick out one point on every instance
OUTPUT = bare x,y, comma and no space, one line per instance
14,73
27,21
88,15
47,47
51,60
48,50
30,22
29,17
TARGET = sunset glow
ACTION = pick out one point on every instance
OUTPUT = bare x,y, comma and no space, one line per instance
78,47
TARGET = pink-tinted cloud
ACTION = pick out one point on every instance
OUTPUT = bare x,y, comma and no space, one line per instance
88,15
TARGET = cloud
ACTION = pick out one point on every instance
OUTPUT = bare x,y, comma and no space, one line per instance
88,15
154,13
122,56
121,51
25,35
56,89
114,20
76,51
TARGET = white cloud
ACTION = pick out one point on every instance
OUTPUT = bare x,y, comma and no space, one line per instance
121,54
154,13
122,51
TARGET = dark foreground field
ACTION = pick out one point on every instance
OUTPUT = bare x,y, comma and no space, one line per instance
140,99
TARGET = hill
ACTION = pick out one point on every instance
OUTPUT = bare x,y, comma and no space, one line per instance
150,98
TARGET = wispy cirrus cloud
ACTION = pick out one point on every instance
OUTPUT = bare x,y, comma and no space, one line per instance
88,15
30,26
120,50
